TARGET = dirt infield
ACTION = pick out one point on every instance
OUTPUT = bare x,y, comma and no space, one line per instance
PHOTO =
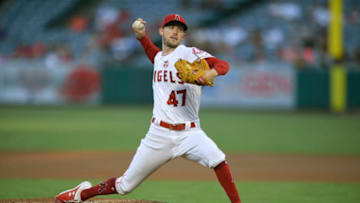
245,167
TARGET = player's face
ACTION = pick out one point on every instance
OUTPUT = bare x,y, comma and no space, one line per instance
172,35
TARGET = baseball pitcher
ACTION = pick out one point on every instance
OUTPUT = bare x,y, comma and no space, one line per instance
180,73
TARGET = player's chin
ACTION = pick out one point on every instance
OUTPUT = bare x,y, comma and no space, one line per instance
173,45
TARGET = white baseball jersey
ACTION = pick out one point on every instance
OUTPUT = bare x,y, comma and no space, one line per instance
174,100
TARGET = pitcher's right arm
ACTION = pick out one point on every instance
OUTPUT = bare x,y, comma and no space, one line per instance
150,48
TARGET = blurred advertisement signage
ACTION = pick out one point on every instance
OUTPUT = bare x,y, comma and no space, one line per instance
34,83
267,86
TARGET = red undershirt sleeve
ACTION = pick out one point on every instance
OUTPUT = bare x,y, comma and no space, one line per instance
221,67
150,48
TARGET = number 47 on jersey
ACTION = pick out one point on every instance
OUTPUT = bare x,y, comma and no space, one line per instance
173,97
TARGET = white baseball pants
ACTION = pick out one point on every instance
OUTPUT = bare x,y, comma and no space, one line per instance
161,145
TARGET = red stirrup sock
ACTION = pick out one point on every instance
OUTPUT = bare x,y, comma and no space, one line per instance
226,180
105,188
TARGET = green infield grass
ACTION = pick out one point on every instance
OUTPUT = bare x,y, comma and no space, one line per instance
121,128
198,192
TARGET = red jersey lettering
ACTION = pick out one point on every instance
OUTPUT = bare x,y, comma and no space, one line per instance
165,75
180,82
159,76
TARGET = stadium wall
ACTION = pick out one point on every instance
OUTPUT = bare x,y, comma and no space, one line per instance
275,86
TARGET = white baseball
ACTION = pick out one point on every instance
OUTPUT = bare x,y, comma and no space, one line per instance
138,25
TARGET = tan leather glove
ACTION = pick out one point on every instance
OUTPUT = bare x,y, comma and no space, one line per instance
194,73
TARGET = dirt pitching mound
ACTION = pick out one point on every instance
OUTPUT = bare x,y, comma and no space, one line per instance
52,200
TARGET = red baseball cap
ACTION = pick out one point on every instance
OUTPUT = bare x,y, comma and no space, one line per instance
172,18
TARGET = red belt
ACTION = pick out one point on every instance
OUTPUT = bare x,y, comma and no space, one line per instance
177,127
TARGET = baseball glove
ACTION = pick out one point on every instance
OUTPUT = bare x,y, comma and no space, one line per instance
193,73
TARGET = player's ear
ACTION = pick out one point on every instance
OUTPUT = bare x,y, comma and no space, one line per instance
161,31
184,36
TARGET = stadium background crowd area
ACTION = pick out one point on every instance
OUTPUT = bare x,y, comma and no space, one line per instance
57,52
99,31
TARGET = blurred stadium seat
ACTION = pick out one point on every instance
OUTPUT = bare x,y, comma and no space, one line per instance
283,26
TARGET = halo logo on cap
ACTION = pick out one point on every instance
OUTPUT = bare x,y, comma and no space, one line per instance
174,17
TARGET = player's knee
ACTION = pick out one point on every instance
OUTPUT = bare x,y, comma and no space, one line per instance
126,191
123,186
216,159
